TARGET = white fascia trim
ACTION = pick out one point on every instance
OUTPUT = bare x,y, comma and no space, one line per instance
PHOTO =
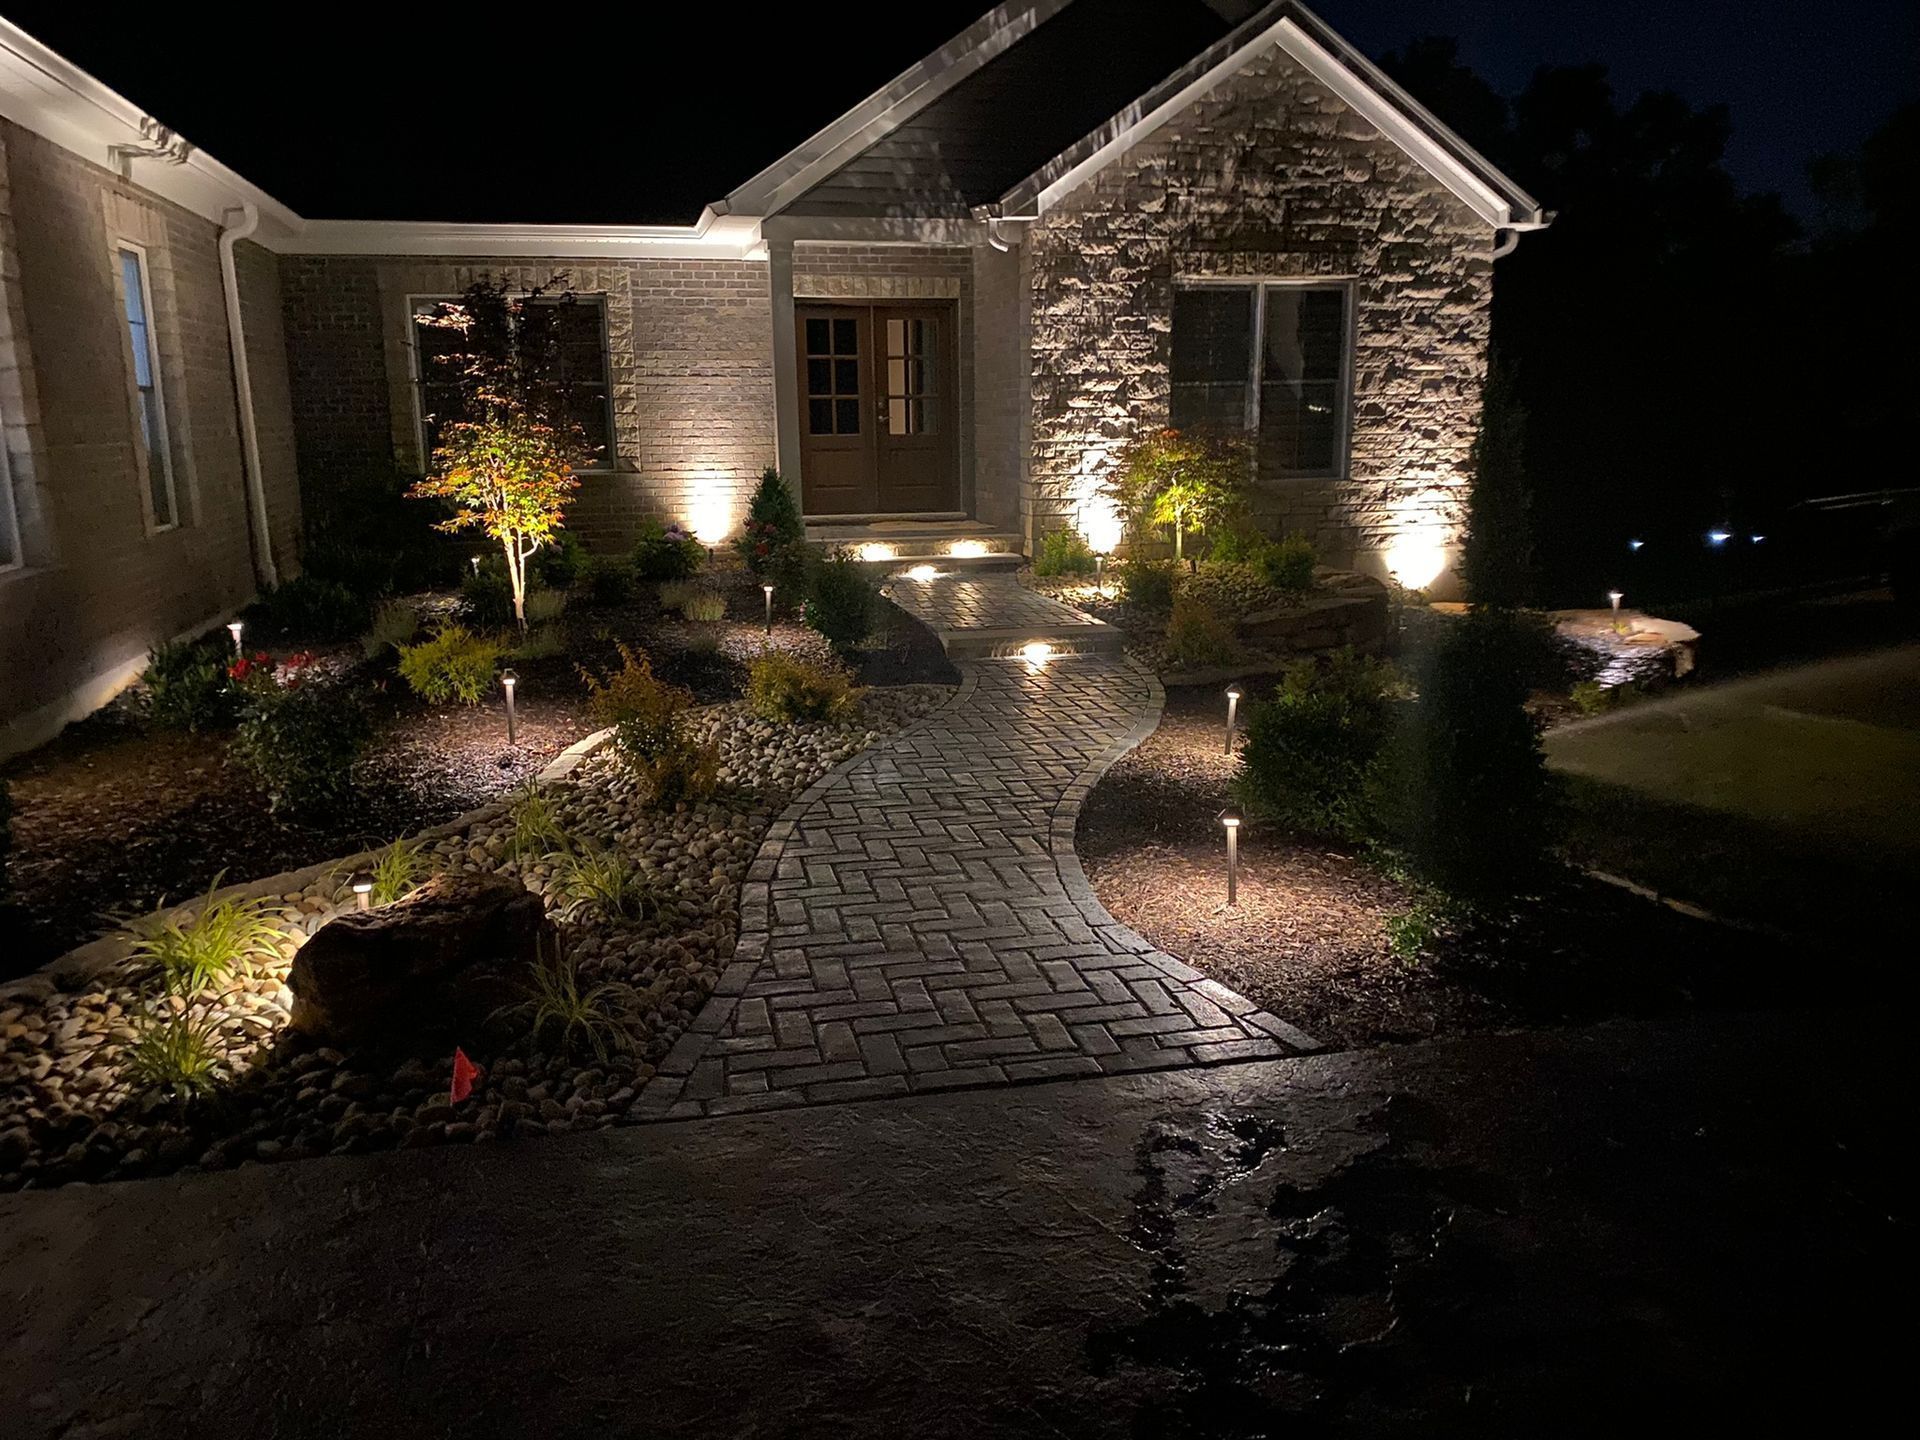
1355,80
713,237
889,107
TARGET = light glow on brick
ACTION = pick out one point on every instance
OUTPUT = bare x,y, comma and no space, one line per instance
1415,558
876,551
965,549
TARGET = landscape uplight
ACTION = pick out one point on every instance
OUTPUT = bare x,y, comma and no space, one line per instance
234,627
507,681
1234,692
1230,818
877,552
923,572
767,590
362,884
1036,652
967,548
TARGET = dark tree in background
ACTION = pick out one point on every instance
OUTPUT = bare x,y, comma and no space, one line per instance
1499,542
1684,355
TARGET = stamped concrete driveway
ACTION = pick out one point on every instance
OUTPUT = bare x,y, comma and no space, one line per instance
1684,1224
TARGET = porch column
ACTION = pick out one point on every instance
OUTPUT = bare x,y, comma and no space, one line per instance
786,374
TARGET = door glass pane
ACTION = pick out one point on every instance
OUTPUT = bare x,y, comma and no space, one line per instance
920,337
816,337
819,377
896,377
846,377
897,417
820,417
846,417
846,337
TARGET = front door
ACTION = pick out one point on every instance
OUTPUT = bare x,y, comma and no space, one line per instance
876,409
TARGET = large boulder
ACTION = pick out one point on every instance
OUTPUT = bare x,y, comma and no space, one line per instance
434,966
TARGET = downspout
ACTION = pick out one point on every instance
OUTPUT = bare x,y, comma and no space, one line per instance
1516,230
266,574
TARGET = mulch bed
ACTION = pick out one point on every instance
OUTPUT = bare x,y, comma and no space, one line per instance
116,818
1308,939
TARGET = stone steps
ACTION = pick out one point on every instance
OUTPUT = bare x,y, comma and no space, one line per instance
947,545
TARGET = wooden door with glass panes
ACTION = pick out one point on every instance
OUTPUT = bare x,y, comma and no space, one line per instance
876,426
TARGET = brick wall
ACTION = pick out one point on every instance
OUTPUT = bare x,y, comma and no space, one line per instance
1269,175
690,368
102,585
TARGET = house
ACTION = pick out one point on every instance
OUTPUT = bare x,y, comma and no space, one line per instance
942,315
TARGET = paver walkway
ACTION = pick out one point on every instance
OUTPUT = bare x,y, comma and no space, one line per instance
918,921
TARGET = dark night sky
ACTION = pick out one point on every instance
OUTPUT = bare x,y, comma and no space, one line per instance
419,112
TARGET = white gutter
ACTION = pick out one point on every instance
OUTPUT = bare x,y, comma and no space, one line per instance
1518,228
257,526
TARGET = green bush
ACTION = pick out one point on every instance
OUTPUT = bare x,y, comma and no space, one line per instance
1590,697
541,642
300,742
773,531
313,610
1237,543
1313,749
394,624
556,564
455,664
666,552
704,607
220,941
606,881
606,581
841,601
650,736
1465,798
544,606
1196,636
1148,583
567,1016
1288,564
402,868
675,593
187,684
179,1054
1064,552
785,688
486,595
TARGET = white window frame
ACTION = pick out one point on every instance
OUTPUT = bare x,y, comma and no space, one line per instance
417,378
1257,287
10,512
155,525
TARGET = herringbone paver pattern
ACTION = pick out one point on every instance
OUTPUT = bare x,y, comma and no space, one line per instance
918,920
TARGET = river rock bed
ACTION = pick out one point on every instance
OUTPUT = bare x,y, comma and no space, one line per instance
70,1112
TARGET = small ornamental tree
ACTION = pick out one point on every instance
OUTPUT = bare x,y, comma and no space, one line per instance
1181,479
506,450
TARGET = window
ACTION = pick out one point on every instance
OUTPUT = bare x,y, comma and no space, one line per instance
580,351
833,376
1268,361
156,450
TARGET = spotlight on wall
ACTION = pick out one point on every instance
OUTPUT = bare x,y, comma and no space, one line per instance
362,884
967,549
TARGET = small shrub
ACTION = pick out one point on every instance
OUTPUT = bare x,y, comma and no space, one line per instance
773,525
1590,697
1228,588
187,684
1288,564
1238,543
177,1054
675,593
841,600
1312,750
310,609
544,606
607,882
542,642
666,552
1064,552
486,596
785,688
569,1017
454,665
704,607
1412,932
702,643
394,624
204,953
1148,583
606,580
537,830
401,869
301,741
1196,636
556,564
650,737
686,771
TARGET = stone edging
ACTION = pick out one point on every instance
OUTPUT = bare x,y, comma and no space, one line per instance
756,919
86,963
1073,876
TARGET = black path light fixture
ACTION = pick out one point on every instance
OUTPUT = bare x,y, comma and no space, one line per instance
767,590
1234,694
508,679
1230,819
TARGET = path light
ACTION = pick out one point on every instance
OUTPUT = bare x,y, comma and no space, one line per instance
1718,537
923,572
967,549
1635,544
362,884
475,560
767,590
1231,818
234,627
1234,692
1756,539
507,681
1036,653
1615,597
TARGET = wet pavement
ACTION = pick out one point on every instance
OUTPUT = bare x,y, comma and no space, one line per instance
1676,1223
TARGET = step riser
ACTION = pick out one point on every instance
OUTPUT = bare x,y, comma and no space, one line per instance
976,645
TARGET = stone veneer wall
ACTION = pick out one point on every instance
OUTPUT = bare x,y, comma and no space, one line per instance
100,587
1269,175
689,360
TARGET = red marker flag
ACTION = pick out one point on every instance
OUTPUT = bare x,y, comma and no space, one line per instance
464,1072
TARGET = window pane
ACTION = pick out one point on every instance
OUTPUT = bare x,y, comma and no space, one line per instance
1212,358
154,431
846,377
897,417
820,417
846,337
896,337
922,418
896,377
1300,374
817,337
819,377
847,417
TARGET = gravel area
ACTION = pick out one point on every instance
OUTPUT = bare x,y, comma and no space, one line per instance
69,1111
1308,940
